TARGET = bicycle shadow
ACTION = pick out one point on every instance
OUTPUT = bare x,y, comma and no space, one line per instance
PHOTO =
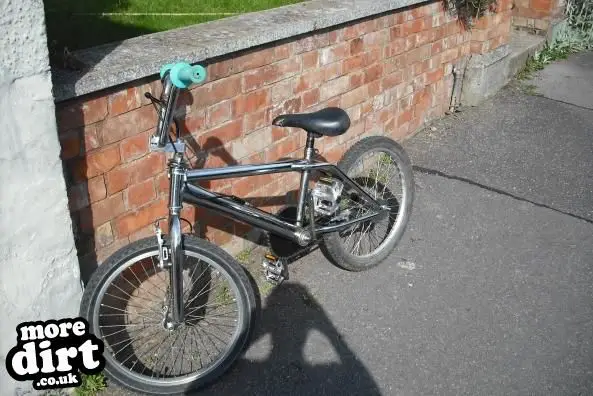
295,350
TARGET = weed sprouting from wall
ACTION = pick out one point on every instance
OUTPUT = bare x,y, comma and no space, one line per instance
574,36
469,10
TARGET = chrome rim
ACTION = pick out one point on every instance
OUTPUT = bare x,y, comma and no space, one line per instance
131,320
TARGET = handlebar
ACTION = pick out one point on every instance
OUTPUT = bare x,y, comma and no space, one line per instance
183,74
174,76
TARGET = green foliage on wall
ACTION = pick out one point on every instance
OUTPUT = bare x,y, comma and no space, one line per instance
468,10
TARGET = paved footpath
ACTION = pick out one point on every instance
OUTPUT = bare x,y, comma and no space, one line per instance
490,291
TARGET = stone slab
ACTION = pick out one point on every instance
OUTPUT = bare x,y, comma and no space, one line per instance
121,62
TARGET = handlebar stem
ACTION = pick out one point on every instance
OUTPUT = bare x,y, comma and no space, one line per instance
168,99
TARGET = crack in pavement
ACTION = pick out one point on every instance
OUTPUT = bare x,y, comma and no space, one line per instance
435,172
564,102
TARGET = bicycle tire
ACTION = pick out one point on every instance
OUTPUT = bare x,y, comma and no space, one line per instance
245,299
331,246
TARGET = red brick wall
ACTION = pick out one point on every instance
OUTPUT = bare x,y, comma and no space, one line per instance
492,30
391,73
536,15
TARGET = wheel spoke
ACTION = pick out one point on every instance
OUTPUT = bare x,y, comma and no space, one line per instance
386,184
219,325
365,227
198,350
140,283
148,277
164,340
127,313
217,305
157,273
182,353
169,353
193,328
201,292
196,279
131,305
119,331
139,356
212,316
131,341
208,337
211,333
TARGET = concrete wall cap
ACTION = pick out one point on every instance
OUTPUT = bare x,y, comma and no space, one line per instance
121,62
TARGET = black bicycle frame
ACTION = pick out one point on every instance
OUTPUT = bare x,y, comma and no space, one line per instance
181,190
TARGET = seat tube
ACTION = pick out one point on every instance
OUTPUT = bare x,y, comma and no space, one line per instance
177,171
304,187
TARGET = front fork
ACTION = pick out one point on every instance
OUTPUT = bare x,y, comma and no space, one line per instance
177,170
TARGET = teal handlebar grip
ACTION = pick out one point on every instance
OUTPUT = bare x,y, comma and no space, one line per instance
183,75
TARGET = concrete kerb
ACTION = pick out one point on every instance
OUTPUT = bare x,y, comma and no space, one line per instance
484,75
523,47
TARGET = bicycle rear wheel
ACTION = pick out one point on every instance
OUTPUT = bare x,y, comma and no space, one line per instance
382,168
126,303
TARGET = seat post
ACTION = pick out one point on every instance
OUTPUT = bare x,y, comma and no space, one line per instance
309,152
310,146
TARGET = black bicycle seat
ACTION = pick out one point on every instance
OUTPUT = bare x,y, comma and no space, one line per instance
331,121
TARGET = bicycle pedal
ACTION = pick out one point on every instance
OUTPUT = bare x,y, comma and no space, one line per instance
275,271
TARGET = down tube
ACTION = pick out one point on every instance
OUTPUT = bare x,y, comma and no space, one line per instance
238,211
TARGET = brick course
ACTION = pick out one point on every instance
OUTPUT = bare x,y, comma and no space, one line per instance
536,15
391,73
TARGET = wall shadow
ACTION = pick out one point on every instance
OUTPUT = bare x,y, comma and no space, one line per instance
212,147
65,32
75,145
293,363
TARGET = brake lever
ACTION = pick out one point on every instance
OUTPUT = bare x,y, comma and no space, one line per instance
157,103
148,95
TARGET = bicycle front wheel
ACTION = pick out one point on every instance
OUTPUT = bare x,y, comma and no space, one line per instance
127,302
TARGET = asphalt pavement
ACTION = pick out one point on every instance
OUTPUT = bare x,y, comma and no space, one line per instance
490,291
